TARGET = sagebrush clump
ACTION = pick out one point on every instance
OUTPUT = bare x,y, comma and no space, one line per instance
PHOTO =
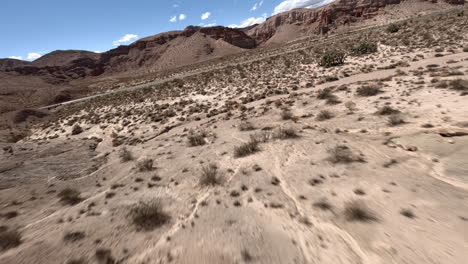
332,58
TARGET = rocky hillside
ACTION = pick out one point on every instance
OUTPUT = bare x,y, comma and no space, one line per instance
286,26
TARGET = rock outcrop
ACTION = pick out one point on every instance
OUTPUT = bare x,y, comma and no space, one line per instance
319,20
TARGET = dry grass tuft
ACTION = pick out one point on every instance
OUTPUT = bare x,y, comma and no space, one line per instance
358,211
210,176
9,238
70,196
149,215
343,154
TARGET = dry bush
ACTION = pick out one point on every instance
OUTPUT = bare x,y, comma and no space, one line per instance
246,126
351,106
358,211
393,28
324,94
260,137
73,236
149,215
407,213
387,110
9,238
364,48
285,133
210,175
76,130
145,164
246,149
395,120
332,58
459,85
343,154
323,204
70,196
368,90
324,115
197,138
125,155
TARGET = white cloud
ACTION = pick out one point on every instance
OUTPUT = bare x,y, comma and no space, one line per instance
205,16
173,19
33,56
16,57
125,39
182,16
292,4
250,21
257,6
210,25
97,51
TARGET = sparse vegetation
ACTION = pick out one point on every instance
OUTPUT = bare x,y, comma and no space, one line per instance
149,215
246,149
70,196
285,133
407,213
125,155
197,138
364,48
332,58
393,28
323,204
395,120
9,238
343,154
210,175
387,110
324,115
246,126
358,211
368,90
144,164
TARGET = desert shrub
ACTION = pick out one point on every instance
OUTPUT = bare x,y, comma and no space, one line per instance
210,175
368,90
351,106
260,137
287,115
197,138
364,47
407,213
387,110
323,204
343,154
145,164
76,130
324,94
395,120
358,211
125,155
332,58
458,85
324,115
69,196
149,215
9,238
73,236
246,149
285,133
465,49
246,126
393,28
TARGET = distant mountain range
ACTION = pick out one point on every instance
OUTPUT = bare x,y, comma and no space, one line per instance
62,70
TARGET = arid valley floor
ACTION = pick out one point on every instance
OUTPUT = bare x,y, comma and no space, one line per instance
279,160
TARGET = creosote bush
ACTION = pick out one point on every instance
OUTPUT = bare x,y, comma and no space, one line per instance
145,164
368,90
247,148
364,48
324,115
197,138
9,238
332,58
285,133
343,154
358,211
125,155
69,196
149,215
210,175
393,28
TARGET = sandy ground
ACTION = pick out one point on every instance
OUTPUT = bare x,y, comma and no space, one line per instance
389,193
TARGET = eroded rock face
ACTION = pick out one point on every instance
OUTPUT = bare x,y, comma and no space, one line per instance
340,12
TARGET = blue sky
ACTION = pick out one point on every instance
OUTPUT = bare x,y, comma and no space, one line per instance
31,28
